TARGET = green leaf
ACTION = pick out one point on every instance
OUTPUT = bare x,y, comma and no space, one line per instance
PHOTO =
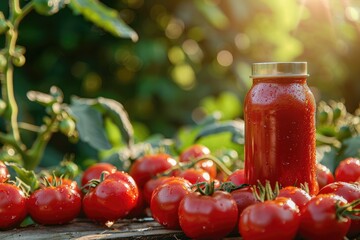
120,160
104,17
89,123
89,114
236,128
26,176
28,221
352,147
327,155
210,118
116,112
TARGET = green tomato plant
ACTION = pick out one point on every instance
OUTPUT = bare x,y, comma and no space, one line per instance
60,117
337,133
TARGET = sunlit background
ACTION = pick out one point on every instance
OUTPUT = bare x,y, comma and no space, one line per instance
192,58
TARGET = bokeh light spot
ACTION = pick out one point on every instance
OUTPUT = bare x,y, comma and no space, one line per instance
92,82
225,58
124,75
184,76
352,14
242,41
193,50
176,55
174,29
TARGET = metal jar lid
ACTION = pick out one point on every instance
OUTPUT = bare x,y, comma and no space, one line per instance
279,69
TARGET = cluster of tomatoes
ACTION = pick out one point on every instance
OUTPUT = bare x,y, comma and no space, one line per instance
215,209
190,194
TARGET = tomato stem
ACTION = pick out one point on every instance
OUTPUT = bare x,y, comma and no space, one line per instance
217,161
205,188
230,186
347,210
265,192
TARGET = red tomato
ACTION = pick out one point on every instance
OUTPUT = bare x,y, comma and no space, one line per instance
143,169
237,177
165,202
350,192
12,206
4,173
348,170
195,175
275,219
209,166
299,196
152,184
123,176
196,151
109,200
66,182
94,172
323,175
244,197
319,220
207,217
54,205
193,152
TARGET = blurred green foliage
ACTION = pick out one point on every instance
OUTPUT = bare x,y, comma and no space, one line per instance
193,58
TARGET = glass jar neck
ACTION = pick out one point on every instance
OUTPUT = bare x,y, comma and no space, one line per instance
280,80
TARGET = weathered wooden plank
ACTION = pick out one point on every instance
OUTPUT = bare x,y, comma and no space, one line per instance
82,229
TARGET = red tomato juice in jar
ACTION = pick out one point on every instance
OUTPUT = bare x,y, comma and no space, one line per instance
280,126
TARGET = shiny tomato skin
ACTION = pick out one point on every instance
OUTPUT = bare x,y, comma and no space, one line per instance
195,175
297,195
324,175
350,192
4,173
12,206
244,197
152,184
237,177
209,166
193,152
207,217
318,219
196,151
109,201
148,166
94,172
123,176
165,202
273,219
348,170
54,205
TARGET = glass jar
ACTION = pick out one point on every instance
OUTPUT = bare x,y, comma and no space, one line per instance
280,126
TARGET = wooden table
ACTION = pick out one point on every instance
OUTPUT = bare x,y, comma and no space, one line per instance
83,229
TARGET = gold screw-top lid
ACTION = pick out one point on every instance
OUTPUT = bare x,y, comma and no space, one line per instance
279,69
